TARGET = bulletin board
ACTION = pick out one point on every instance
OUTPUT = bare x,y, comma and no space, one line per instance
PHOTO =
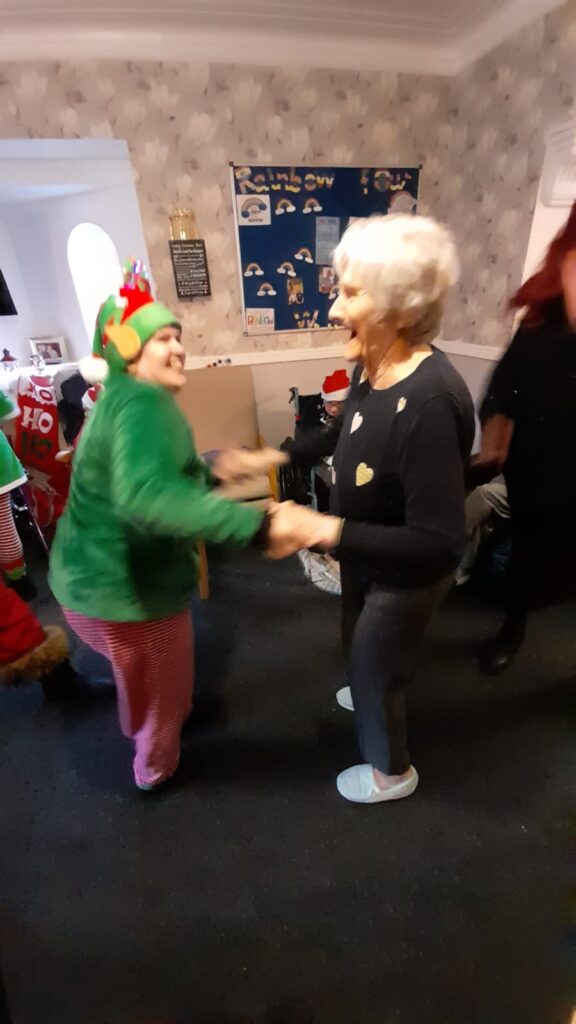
289,220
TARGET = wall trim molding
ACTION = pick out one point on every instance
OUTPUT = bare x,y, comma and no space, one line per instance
60,38
490,353
470,349
43,41
494,30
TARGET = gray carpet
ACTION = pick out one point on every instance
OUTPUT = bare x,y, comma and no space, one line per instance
249,892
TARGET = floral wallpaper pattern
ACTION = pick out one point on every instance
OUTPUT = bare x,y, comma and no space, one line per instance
480,138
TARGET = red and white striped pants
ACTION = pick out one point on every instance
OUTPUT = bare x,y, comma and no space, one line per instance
11,553
153,666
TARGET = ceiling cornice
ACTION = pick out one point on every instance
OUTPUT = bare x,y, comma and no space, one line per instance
512,17
61,39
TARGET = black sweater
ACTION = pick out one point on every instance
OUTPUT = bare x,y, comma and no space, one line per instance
398,476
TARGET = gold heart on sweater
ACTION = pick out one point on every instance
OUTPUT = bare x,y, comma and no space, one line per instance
363,474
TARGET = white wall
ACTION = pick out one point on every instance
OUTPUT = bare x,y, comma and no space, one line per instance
59,163
113,209
475,370
28,231
546,223
13,329
273,380
35,248
272,383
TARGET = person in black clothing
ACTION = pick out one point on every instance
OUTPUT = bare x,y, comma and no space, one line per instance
529,431
400,452
5,1017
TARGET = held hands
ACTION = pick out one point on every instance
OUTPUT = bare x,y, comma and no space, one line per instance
237,464
293,527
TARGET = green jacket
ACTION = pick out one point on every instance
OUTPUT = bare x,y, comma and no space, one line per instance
140,498
12,473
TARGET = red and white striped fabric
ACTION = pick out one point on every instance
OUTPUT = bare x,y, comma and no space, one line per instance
11,552
153,665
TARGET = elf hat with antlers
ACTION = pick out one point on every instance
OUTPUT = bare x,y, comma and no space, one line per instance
124,324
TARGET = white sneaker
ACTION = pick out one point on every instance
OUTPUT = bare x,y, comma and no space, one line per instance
304,558
357,784
148,787
324,573
344,698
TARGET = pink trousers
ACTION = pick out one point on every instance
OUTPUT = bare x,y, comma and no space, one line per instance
153,666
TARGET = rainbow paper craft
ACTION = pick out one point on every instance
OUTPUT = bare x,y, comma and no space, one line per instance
266,289
287,268
304,254
312,206
251,206
284,206
253,270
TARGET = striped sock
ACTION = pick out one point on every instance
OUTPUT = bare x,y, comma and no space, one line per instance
11,551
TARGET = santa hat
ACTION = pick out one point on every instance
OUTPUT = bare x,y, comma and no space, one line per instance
27,650
124,324
336,387
89,398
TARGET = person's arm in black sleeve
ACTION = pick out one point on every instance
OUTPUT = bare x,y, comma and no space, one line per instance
321,442
501,394
431,542
497,415
314,445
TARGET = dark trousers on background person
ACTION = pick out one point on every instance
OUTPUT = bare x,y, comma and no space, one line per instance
382,633
5,1017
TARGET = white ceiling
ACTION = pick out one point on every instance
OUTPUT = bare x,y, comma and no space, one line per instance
11,195
39,170
435,36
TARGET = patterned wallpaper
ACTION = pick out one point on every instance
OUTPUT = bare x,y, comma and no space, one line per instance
479,137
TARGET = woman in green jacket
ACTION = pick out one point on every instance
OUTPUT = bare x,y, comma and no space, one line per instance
125,559
12,475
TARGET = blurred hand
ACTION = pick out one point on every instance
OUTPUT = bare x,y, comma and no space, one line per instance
64,456
240,464
294,527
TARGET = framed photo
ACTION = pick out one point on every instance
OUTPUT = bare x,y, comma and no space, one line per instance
50,349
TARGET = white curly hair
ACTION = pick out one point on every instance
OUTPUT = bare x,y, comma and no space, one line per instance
406,264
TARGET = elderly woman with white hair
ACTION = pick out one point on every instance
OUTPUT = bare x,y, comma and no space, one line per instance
398,523
401,448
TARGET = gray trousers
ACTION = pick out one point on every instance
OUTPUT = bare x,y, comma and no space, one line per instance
382,632
480,504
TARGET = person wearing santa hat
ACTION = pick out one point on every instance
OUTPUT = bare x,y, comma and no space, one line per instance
320,568
335,391
124,562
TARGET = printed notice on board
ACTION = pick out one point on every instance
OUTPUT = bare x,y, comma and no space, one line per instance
327,238
190,268
260,321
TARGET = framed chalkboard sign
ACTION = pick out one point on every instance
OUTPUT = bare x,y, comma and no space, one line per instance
190,268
